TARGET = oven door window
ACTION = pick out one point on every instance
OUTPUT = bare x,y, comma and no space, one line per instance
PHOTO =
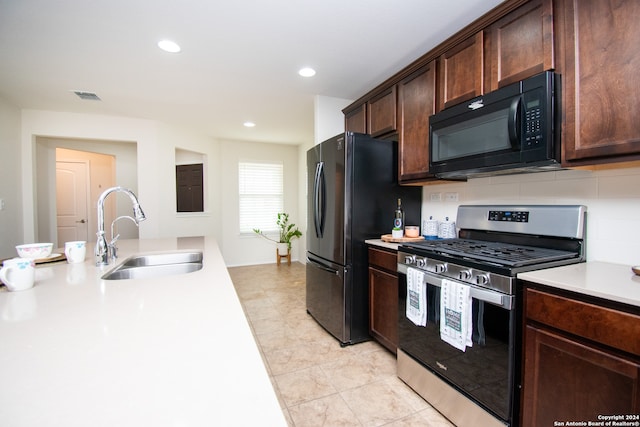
482,371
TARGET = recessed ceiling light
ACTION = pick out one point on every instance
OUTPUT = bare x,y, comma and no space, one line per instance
307,72
249,124
169,46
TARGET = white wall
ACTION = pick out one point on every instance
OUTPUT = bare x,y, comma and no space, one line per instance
125,174
158,146
328,118
251,249
11,228
611,194
208,222
155,163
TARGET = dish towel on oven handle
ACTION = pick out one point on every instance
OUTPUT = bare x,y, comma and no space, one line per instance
456,322
416,297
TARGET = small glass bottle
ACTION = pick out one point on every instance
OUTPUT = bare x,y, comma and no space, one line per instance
398,219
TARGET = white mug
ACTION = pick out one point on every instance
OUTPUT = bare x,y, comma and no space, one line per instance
75,251
18,273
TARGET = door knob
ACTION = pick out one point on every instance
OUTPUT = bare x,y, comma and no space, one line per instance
82,221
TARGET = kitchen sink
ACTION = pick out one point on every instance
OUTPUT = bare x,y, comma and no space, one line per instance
156,265
161,258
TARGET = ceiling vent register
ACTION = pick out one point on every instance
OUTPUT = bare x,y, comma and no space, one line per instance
90,96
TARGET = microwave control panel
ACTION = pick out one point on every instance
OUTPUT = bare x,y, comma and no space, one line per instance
532,120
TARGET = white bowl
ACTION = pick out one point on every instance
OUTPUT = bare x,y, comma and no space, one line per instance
412,231
35,250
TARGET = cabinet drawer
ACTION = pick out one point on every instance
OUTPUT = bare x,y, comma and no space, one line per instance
385,260
603,325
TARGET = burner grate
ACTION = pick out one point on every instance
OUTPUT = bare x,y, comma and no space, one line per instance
495,252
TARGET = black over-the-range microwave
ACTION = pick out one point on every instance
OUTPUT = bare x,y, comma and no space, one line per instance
511,130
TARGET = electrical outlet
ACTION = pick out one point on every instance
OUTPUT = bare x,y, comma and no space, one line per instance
435,197
451,197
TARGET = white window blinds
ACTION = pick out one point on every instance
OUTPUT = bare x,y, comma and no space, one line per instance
261,195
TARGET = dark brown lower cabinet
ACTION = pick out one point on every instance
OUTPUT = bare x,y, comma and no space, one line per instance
574,376
383,298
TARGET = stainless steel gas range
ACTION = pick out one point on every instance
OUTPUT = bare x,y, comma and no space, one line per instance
460,305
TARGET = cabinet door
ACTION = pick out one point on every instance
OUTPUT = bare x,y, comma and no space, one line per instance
520,45
599,60
416,102
355,120
383,308
461,72
189,188
381,110
565,380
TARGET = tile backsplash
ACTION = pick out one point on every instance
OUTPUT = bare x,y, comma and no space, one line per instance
612,197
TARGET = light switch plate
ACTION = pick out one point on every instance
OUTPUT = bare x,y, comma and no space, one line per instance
451,197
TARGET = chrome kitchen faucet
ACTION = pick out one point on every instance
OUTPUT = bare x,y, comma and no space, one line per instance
106,252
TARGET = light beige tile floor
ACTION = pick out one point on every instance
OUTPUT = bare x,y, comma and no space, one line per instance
318,382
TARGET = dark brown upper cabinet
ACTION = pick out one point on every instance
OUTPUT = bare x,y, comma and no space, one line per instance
416,102
355,118
381,112
598,58
519,45
461,72
592,45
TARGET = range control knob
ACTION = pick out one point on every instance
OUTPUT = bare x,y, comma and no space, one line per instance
420,262
482,279
464,274
440,267
409,259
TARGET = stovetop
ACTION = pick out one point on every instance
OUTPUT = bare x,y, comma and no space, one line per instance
496,253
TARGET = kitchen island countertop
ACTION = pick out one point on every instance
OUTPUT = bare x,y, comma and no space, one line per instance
76,350
614,282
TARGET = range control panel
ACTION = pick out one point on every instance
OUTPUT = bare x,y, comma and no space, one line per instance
510,216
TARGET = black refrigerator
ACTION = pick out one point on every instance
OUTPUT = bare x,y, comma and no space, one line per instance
352,195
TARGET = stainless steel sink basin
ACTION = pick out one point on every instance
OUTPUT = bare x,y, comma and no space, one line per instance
162,259
156,265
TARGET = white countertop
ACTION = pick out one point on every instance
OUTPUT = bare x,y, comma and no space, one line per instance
76,350
382,244
615,282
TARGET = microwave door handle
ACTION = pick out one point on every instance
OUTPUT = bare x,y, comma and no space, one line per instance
514,123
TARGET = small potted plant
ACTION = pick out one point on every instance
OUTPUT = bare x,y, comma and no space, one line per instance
287,233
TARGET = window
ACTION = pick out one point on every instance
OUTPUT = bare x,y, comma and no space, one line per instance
260,187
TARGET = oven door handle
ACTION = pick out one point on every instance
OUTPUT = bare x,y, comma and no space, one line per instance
486,295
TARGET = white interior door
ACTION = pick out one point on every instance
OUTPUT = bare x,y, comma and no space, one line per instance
71,201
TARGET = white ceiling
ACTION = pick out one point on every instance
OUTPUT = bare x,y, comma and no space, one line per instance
239,58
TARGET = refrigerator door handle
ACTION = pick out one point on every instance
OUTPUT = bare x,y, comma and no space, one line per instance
323,267
319,199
